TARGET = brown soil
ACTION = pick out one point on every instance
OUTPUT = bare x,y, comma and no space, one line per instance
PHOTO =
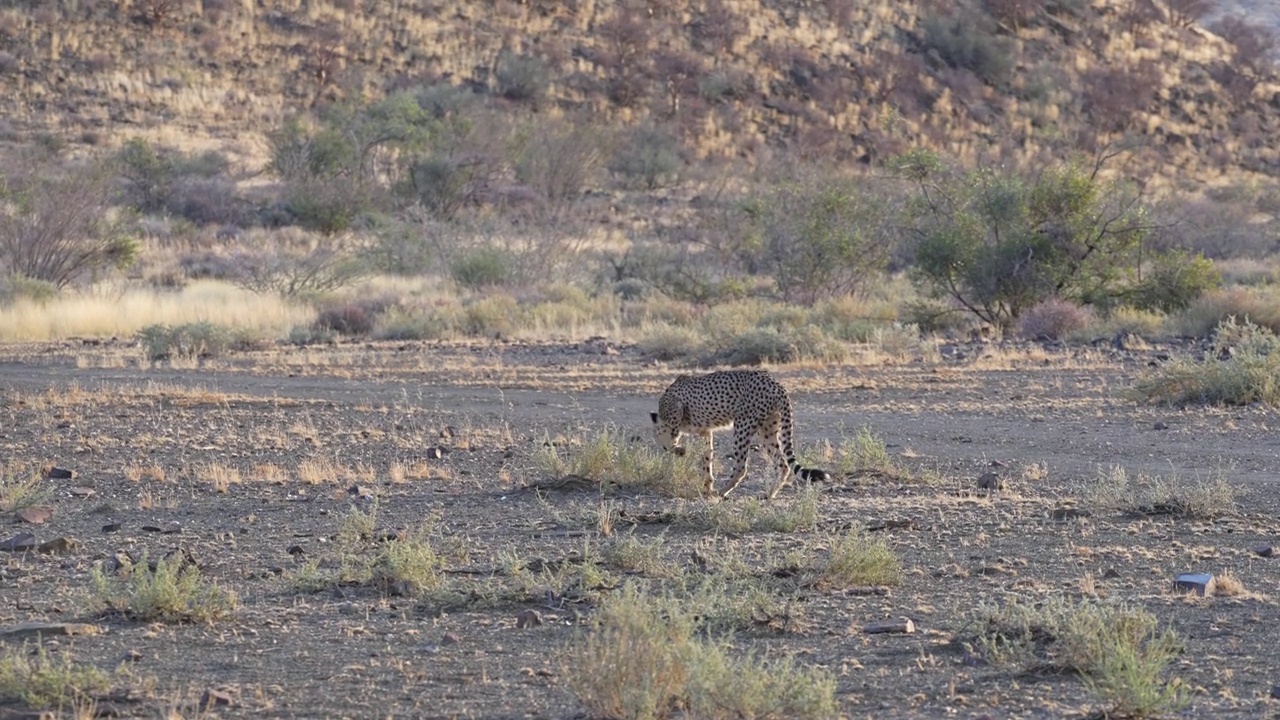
353,651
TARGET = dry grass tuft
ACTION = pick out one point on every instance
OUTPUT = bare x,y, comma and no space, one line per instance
1149,495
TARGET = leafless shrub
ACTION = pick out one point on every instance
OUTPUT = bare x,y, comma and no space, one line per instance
1185,13
1054,319
717,28
557,160
1114,95
57,222
294,273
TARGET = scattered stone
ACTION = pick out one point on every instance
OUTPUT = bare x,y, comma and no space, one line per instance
39,629
134,655
296,550
360,491
111,527
173,528
1069,513
38,515
122,561
81,492
1159,425
1198,583
58,473
434,453
1110,574
905,625
398,534
348,608
150,528
990,481
528,618
21,542
1129,342
215,698
400,588
57,546
450,638
1262,550
879,590
892,524
1275,692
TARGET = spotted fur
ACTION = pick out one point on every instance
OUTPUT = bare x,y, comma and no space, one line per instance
750,401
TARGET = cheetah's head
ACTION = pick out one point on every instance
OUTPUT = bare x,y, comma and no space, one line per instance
667,435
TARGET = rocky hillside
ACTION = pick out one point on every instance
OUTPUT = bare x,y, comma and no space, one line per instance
855,80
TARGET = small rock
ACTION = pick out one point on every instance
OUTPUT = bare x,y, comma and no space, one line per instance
528,618
1110,574
1160,425
21,542
1275,692
1198,583
214,698
1262,550
434,453
173,528
81,492
111,527
296,550
990,481
360,491
904,625
1068,513
58,473
450,638
150,528
34,515
57,546
133,656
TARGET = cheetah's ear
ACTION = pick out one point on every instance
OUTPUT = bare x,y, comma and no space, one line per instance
654,417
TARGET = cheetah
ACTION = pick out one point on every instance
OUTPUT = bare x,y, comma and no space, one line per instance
750,401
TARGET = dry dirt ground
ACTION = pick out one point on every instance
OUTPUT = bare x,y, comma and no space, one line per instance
303,427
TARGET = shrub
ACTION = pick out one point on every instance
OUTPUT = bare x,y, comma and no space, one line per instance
557,159
347,320
967,39
1242,367
57,224
1149,495
42,680
1053,318
522,77
1120,652
187,342
998,243
648,156
173,590
481,268
759,346
493,316
15,287
294,273
1204,315
857,559
1175,280
641,659
817,240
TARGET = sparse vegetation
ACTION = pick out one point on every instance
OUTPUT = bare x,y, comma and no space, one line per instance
858,559
641,659
43,679
1241,367
1121,653
172,589
1197,498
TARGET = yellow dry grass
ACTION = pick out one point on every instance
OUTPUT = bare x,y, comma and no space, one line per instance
106,311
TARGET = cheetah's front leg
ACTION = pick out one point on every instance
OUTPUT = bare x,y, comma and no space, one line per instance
708,457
